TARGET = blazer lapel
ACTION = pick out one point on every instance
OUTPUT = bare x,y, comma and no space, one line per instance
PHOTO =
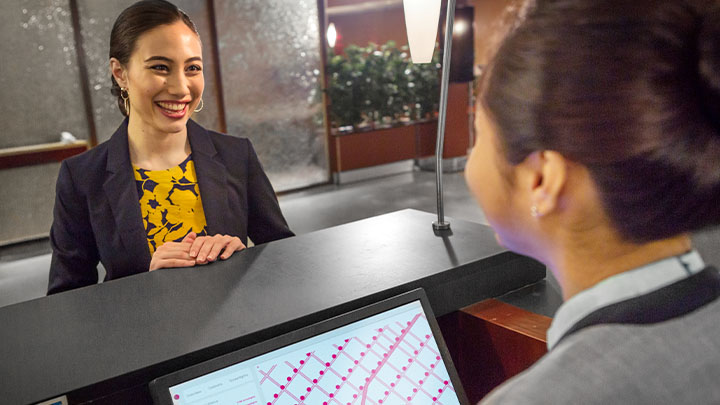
212,179
121,193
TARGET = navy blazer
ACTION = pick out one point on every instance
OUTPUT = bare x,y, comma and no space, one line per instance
97,214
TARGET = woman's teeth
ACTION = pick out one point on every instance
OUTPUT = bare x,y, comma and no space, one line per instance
175,107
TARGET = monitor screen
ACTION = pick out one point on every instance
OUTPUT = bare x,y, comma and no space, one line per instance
391,357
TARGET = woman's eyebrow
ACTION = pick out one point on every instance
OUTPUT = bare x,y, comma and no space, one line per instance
162,58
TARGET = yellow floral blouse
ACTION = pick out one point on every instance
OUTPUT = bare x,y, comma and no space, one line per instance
170,203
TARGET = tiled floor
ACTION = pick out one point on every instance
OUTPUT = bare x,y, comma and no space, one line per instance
23,274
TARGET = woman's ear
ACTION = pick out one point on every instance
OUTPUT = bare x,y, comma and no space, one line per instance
550,173
118,71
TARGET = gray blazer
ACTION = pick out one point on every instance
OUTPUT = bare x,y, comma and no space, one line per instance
661,348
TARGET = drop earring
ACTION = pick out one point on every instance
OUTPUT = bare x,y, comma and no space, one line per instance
126,98
534,211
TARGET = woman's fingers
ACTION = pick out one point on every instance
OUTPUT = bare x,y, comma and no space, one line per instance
232,247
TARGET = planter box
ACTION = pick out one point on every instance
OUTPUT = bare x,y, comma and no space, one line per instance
372,147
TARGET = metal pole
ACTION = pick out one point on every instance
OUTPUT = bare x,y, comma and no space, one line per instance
440,224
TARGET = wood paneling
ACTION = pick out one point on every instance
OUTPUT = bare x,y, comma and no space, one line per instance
40,154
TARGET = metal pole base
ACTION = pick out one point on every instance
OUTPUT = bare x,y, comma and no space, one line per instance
441,226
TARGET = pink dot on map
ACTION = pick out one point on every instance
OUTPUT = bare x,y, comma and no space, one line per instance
427,336
356,362
334,356
409,398
408,322
282,387
302,398
380,330
446,382
344,378
379,401
440,390
373,371
384,354
434,398
339,347
309,389
327,364
398,376
367,379
347,340
437,357
307,354
387,392
294,370
337,387
269,403
422,344
349,370
397,339
325,403
427,374
420,382
276,395
368,346
391,346
289,378
404,368
331,395
432,366
322,372
176,396
315,381
302,361
354,395
379,363
416,352
414,389
402,330
392,384
374,337
361,387
362,353
409,360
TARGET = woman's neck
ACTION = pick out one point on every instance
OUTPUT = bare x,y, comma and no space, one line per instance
155,150
582,261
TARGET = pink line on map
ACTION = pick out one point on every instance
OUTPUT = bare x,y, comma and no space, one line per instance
385,359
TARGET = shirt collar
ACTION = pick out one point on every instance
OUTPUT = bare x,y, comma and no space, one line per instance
621,287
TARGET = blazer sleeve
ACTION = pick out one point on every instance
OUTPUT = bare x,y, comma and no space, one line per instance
265,220
75,256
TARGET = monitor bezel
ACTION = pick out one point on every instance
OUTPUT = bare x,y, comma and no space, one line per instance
160,387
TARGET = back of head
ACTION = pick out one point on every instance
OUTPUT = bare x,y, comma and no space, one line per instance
134,21
630,90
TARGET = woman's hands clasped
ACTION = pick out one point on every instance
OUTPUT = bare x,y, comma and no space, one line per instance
193,250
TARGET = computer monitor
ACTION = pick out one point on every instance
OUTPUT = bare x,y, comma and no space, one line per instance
387,353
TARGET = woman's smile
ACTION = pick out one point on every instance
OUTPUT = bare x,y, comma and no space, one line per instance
172,109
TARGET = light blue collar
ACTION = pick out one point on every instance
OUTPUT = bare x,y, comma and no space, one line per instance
621,287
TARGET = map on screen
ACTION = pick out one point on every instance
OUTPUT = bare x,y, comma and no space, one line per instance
388,358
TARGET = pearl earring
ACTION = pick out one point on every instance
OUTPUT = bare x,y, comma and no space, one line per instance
534,211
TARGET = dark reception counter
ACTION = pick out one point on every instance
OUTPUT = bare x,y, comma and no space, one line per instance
106,342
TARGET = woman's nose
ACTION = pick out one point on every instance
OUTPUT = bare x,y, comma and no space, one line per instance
178,84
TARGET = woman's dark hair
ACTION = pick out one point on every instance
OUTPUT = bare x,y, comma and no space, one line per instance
134,21
629,89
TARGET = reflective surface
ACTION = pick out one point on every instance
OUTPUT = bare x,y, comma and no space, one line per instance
270,59
40,83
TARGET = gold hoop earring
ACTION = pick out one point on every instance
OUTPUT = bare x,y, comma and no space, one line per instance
126,98
534,212
202,104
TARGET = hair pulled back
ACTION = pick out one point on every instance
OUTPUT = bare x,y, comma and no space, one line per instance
630,90
134,21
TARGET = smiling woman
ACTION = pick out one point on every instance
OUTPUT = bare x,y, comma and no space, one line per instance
163,191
